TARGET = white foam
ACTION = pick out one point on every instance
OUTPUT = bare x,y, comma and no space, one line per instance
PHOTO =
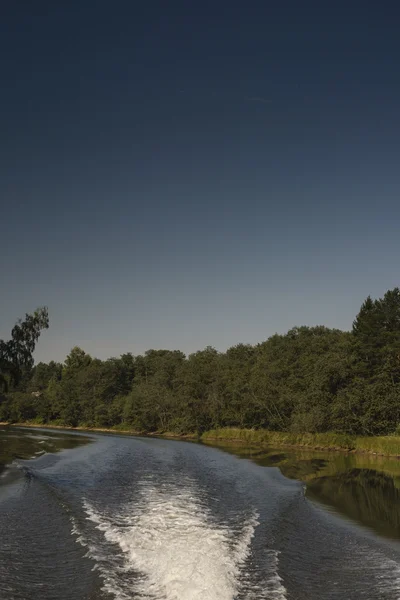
172,549
271,584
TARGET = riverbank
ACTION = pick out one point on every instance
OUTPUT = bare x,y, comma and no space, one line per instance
336,442
119,430
379,445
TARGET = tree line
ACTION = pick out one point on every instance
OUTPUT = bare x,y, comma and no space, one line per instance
312,379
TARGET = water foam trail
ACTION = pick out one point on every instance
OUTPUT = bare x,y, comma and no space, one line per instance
172,549
271,584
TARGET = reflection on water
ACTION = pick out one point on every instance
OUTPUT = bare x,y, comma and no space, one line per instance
361,487
365,495
19,443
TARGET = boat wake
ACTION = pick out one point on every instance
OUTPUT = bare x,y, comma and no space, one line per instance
166,545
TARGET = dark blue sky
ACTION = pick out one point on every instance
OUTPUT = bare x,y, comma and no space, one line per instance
177,174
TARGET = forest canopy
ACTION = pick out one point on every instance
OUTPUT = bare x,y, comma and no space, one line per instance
312,379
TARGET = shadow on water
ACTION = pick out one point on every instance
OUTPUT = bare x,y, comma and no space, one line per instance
18,443
363,488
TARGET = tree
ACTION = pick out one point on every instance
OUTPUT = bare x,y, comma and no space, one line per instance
16,354
77,359
312,379
376,332
42,374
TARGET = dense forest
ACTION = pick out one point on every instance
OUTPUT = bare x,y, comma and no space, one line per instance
312,379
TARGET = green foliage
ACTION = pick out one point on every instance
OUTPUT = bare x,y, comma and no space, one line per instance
376,331
16,355
301,385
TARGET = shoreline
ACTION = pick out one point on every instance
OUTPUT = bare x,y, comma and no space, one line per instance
27,425
327,442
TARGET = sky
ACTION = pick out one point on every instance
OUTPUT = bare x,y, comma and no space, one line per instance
181,174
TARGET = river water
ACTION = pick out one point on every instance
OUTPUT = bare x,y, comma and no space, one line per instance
122,517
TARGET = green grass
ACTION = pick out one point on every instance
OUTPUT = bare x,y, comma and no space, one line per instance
275,438
385,445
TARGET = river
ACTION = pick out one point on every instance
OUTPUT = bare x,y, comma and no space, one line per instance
103,517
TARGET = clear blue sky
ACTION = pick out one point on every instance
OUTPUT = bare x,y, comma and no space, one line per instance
182,174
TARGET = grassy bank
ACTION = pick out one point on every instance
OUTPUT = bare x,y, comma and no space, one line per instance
382,445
